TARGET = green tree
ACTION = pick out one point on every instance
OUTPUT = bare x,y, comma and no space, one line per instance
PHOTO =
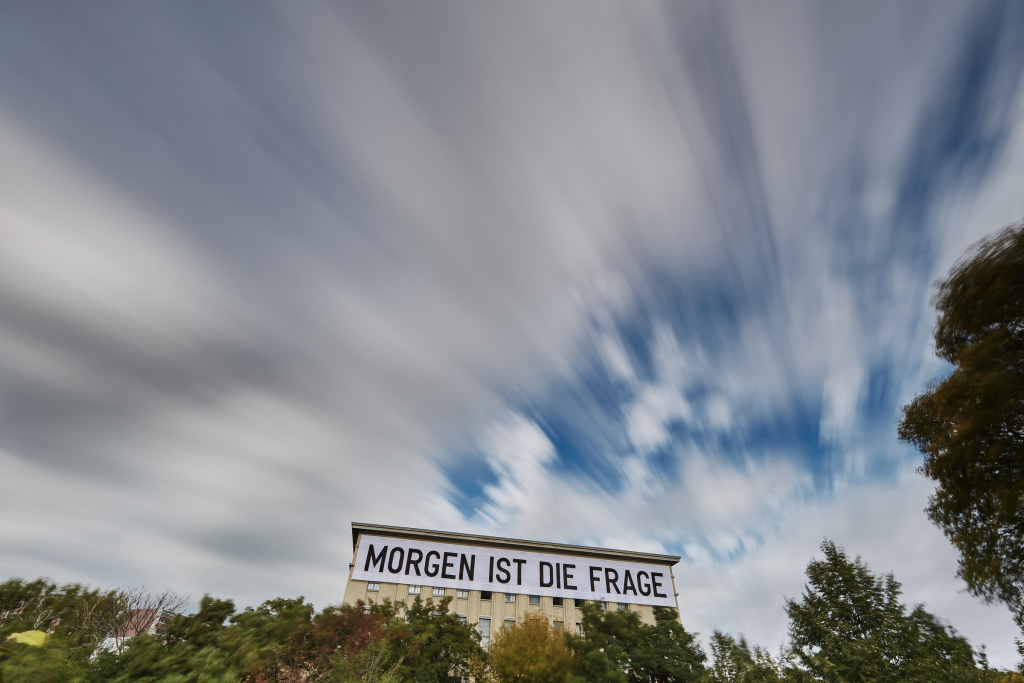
617,647
530,652
735,663
47,664
970,426
202,629
74,613
667,653
850,627
281,631
432,643
604,648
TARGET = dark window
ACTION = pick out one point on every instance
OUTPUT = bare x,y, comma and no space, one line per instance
485,595
557,602
579,603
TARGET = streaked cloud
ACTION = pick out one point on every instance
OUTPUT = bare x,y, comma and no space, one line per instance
650,275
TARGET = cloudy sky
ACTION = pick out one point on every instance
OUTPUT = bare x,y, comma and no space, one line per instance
645,275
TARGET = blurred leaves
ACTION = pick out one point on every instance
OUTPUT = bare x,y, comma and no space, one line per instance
849,627
970,426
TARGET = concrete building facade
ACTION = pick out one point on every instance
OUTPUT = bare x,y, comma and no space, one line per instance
548,586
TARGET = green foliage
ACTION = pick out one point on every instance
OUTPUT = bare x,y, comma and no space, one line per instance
71,612
970,426
432,643
667,652
603,651
48,664
734,662
850,627
619,648
203,628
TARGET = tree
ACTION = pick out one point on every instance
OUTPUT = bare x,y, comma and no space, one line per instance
734,662
604,648
280,630
132,611
530,652
970,426
74,613
203,628
667,653
850,627
433,644
616,647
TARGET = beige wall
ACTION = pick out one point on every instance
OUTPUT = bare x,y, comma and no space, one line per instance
496,608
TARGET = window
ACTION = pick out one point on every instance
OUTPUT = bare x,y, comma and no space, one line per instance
556,602
462,618
485,595
604,605
510,597
623,607
485,628
579,628
557,625
366,609
534,599
373,586
414,590
438,590
510,622
579,603
462,594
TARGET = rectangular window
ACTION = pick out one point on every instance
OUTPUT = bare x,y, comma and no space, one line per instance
485,595
534,599
557,625
510,622
510,597
462,618
579,628
414,590
604,605
579,603
462,593
373,586
556,602
438,590
485,628
366,609
623,607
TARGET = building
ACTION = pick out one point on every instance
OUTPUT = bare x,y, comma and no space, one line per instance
136,622
497,581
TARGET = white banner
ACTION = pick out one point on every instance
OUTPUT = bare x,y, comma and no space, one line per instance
447,565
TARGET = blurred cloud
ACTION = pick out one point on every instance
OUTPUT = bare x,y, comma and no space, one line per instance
651,276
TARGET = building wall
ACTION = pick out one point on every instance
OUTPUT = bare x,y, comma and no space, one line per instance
473,607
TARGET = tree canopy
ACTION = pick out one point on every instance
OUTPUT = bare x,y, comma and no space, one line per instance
530,652
850,627
970,426
617,647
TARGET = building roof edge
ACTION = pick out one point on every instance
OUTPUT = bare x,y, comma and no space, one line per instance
495,541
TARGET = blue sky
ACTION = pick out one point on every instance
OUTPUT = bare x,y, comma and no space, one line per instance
650,276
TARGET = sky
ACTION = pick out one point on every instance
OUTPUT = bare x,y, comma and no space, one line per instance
647,275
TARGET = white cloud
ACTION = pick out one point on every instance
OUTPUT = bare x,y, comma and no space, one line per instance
884,524
272,295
